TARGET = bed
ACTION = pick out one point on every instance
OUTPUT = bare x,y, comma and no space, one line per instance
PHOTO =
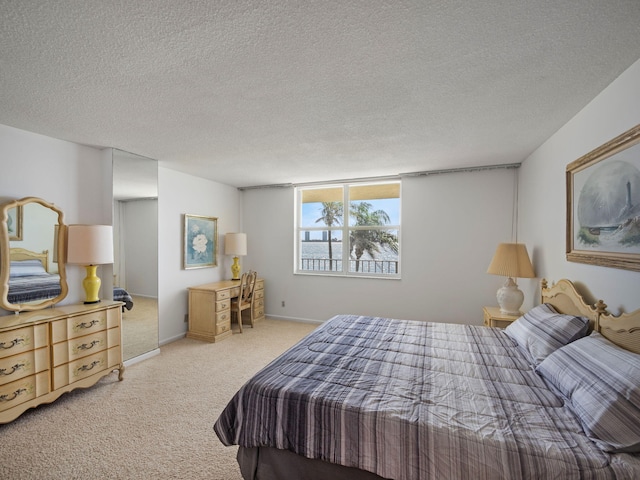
363,398
31,281
29,278
121,295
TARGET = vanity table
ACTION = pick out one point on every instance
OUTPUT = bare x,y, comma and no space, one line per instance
210,308
46,353
47,349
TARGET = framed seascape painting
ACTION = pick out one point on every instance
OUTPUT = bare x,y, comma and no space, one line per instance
200,241
603,204
14,223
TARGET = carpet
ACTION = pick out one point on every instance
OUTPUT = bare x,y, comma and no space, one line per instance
140,327
155,424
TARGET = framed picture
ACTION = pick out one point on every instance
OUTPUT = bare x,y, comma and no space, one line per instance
603,204
200,241
14,223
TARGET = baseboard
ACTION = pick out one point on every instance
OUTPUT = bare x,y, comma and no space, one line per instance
173,339
294,319
142,357
144,296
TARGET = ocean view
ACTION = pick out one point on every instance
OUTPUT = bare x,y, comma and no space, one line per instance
384,262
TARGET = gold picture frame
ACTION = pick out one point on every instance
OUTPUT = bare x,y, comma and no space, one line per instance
200,245
14,223
603,204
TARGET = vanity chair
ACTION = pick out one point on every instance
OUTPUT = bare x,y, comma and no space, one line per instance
244,301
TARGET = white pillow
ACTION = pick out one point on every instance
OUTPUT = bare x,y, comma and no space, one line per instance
24,268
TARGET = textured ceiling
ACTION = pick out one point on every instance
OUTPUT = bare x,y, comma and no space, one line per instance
269,92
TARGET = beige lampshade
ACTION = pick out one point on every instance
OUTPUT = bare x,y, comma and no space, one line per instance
235,244
511,260
90,244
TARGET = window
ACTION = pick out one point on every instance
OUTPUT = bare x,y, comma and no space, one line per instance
362,240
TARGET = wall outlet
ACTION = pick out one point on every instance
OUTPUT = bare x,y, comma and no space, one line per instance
283,303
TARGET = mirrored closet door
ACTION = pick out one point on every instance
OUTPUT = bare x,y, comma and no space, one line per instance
135,271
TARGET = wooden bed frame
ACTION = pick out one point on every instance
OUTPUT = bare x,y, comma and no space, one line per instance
19,254
623,330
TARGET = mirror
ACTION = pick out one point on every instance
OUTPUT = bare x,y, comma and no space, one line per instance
135,270
32,267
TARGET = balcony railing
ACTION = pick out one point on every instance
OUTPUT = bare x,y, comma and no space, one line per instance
360,266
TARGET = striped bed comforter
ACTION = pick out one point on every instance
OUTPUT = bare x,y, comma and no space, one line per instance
33,287
415,400
121,295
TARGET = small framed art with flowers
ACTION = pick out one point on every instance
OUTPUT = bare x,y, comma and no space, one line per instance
200,241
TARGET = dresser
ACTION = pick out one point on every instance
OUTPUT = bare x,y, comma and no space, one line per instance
46,353
210,308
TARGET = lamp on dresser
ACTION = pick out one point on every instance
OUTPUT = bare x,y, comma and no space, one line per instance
511,260
90,245
235,244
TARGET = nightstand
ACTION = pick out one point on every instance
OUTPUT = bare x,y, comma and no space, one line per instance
493,317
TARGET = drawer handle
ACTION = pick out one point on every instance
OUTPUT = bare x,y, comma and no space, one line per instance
223,316
8,398
86,368
11,344
15,368
88,325
84,346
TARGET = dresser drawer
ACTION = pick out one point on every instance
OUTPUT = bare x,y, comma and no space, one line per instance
223,305
84,367
23,339
223,327
25,389
257,294
80,325
223,295
258,308
223,316
79,347
24,364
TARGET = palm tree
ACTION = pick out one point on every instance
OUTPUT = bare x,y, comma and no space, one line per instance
331,215
369,241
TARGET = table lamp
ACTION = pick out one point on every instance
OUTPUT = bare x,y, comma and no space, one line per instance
90,245
511,260
235,244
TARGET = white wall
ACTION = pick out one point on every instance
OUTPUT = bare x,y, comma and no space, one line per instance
542,194
443,276
73,177
180,194
451,225
77,179
141,247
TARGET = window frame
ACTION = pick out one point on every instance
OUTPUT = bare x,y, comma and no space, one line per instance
345,228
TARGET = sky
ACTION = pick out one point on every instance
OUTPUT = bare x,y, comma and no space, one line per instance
312,211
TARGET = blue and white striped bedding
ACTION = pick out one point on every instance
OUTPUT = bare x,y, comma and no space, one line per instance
601,382
416,400
541,331
29,288
121,295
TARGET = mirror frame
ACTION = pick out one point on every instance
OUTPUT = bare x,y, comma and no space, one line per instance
5,257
